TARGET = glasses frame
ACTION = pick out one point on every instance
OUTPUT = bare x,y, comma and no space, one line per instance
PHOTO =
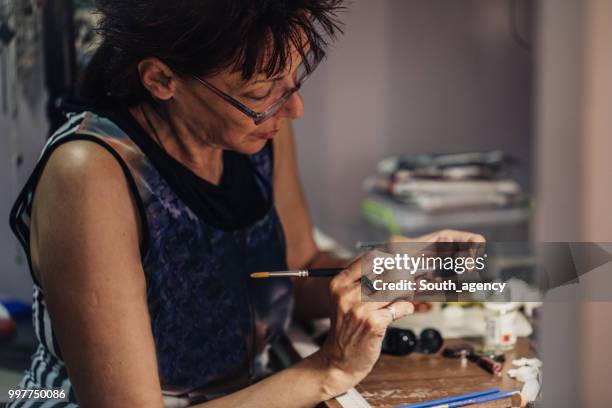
259,117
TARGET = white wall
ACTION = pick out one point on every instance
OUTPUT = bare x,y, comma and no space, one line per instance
411,76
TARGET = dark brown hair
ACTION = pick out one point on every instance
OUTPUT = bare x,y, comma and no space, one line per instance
202,37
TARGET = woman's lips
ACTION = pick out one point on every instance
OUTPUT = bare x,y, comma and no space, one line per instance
266,135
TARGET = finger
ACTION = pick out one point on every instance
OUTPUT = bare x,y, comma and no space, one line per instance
460,236
349,298
469,244
400,239
389,290
363,266
374,322
475,244
480,245
373,263
366,308
394,311
477,238
459,243
432,237
369,307
345,279
402,308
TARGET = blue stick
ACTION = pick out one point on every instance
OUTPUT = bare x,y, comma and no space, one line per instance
479,400
451,399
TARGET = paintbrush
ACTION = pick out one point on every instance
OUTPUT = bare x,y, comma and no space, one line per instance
300,273
312,273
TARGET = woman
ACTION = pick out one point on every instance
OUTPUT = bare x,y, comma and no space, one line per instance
148,210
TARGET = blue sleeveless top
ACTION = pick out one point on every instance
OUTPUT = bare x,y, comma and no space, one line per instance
210,321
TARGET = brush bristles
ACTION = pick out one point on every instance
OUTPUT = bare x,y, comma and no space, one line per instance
260,275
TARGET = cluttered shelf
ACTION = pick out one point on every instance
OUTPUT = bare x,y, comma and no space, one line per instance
415,194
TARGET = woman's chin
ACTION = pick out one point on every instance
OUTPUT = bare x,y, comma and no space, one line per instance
252,146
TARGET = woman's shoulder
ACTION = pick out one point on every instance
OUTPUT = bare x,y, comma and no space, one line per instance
80,185
83,176
80,162
91,147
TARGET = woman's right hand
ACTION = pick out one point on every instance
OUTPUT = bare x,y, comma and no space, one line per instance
357,330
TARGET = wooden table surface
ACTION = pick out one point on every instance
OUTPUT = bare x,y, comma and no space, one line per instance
397,381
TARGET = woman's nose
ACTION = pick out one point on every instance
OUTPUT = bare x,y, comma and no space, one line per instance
293,107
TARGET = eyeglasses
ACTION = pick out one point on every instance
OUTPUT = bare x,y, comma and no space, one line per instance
302,74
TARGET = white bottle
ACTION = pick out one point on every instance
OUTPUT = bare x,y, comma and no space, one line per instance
500,320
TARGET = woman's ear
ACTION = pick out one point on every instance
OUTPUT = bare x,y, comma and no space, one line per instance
157,78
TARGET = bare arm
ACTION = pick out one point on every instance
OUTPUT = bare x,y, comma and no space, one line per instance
85,252
312,295
290,201
85,236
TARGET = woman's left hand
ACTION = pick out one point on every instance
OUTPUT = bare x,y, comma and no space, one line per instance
446,235
445,242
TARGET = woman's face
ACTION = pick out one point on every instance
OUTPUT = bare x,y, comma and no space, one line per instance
219,123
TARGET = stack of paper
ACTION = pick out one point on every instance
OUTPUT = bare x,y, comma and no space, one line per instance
434,183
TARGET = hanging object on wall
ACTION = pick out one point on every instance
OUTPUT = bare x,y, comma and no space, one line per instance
6,34
70,39
28,52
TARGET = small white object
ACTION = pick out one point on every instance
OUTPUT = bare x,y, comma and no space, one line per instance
352,399
464,358
530,390
453,315
528,371
531,362
524,374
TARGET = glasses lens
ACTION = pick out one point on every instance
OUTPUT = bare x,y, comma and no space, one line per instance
271,111
302,73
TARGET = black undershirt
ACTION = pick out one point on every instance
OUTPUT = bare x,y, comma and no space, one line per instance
235,203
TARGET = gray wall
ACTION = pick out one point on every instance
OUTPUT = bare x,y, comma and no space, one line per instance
23,129
412,76
574,95
559,110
